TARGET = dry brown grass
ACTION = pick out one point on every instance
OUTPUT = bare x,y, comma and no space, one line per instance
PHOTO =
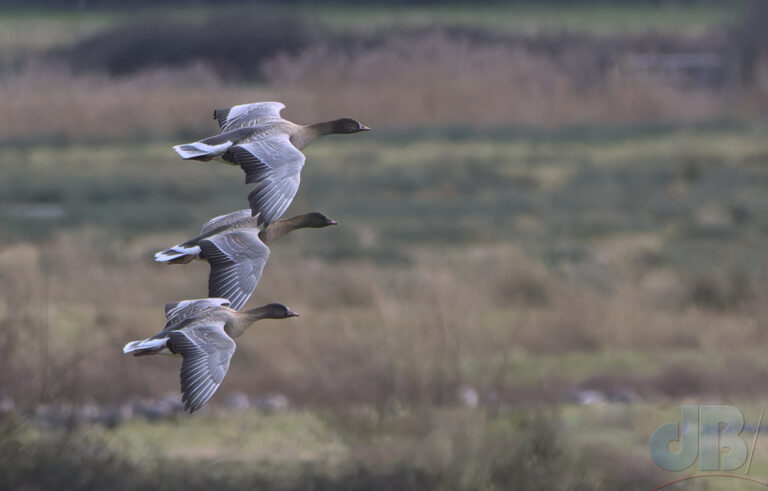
440,81
432,80
51,102
380,335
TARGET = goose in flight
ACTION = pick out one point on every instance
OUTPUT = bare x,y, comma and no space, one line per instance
236,247
267,148
202,332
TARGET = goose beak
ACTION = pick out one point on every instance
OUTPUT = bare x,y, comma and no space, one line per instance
332,222
364,128
291,313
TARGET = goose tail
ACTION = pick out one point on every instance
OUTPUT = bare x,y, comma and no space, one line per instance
177,254
201,151
146,347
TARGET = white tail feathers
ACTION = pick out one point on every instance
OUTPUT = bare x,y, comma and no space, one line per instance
199,149
145,344
177,252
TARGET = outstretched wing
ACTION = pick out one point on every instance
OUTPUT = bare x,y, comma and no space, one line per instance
237,260
275,165
206,350
246,115
176,312
222,220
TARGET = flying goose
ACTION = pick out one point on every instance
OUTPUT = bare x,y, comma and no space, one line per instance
236,247
267,147
202,332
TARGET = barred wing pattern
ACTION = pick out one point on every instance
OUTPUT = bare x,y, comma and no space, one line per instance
176,312
245,115
275,165
206,350
237,260
223,220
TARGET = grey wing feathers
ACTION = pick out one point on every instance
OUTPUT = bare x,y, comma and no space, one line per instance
275,165
255,169
246,115
223,220
272,197
237,260
207,351
178,311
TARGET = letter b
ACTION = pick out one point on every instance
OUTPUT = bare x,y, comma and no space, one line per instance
714,437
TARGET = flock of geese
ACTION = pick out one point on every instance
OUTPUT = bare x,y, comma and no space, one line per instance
236,245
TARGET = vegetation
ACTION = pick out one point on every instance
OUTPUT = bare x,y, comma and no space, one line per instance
518,232
578,287
453,449
693,16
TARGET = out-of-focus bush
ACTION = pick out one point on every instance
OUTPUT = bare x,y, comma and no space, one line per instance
234,46
68,460
453,450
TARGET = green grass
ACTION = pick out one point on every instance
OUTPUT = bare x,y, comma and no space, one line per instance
576,366
597,208
585,447
26,31
593,207
589,447
558,196
598,18
429,448
293,437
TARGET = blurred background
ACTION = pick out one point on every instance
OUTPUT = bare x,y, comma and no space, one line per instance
553,238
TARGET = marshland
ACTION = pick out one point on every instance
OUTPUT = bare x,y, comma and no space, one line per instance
554,236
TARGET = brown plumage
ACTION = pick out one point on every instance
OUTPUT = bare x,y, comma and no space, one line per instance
267,148
235,246
202,331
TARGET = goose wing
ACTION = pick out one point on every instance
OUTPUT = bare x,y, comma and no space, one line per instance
223,220
176,312
206,350
245,115
237,260
274,164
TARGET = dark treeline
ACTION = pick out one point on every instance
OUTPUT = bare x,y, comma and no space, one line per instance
243,43
81,4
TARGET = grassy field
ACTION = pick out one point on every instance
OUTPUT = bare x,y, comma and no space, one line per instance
525,282
601,18
524,264
52,28
594,189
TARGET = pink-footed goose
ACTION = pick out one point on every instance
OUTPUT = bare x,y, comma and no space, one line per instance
236,247
202,332
267,147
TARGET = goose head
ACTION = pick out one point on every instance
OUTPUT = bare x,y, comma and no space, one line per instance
348,125
277,311
318,220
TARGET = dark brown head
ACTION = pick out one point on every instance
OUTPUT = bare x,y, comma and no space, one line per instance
347,125
278,311
272,311
317,220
